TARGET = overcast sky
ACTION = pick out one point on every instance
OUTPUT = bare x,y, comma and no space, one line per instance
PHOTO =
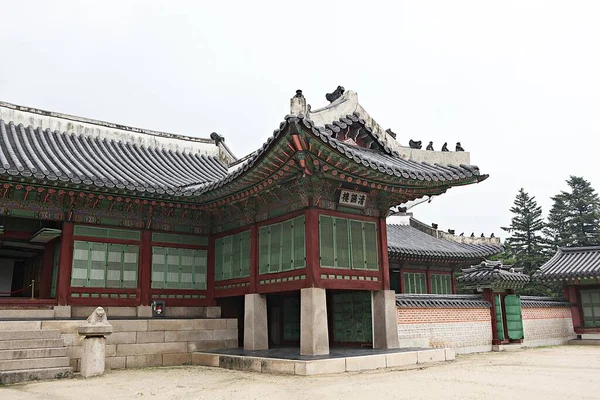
516,82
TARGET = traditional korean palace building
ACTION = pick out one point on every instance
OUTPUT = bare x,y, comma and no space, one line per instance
290,240
578,270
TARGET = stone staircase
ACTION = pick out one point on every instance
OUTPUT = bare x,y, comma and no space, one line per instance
32,355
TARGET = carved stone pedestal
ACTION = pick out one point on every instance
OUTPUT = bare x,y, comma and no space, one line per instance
93,353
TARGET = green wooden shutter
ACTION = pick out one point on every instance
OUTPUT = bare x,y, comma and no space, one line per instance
514,319
245,257
81,260
264,257
236,256
590,305
172,281
299,243
114,264
275,250
55,269
227,257
357,245
219,259
371,249
499,319
287,238
327,253
200,268
159,261
186,276
129,278
342,243
97,273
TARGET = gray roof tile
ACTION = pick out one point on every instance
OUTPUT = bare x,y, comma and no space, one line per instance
571,263
494,273
440,301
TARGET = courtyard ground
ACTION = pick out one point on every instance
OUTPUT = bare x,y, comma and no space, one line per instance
546,373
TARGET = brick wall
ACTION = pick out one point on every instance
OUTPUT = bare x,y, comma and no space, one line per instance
544,326
464,329
152,343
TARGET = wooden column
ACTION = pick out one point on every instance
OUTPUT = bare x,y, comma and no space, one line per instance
313,263
65,262
46,283
401,277
428,279
383,254
488,295
145,268
253,259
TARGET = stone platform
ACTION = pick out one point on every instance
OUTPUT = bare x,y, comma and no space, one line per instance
289,361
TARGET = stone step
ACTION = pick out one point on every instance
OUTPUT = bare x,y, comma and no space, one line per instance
33,363
21,354
585,342
16,376
12,314
31,344
29,334
19,325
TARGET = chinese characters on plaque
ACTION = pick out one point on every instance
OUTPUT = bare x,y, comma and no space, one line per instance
353,199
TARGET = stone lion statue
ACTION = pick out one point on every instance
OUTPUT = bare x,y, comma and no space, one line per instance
98,317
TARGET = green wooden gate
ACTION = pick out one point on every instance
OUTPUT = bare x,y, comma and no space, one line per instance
352,317
514,319
499,318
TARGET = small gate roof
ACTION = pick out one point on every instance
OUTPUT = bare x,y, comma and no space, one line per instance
571,263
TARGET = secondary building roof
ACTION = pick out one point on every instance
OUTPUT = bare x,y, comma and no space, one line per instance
570,263
411,242
494,274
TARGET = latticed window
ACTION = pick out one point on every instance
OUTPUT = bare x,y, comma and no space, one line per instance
415,283
441,284
232,256
174,268
104,265
282,246
590,304
348,243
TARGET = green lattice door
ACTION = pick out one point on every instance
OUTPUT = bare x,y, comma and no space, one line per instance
514,319
352,317
499,318
590,305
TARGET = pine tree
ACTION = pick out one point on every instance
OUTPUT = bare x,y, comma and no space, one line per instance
574,219
526,243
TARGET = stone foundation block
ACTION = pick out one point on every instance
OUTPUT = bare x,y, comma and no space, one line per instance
211,324
365,362
187,312
111,350
205,359
150,348
213,312
62,311
189,336
142,361
150,337
129,326
93,356
278,366
71,339
176,359
401,359
320,367
241,363
116,362
427,356
170,325
63,326
121,338
20,325
144,311
450,354
232,323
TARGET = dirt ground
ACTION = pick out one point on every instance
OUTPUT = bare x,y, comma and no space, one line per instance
566,372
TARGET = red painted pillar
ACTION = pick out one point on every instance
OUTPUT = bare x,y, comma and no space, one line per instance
253,259
145,268
383,254
576,314
428,280
453,277
488,295
63,284
48,265
210,271
313,263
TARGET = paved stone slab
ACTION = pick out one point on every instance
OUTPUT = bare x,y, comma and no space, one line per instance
116,362
29,335
150,337
10,377
401,359
121,338
9,365
278,366
142,361
434,355
365,362
205,359
20,325
320,367
150,348
129,326
211,324
176,359
32,353
241,363
171,325
450,354
190,336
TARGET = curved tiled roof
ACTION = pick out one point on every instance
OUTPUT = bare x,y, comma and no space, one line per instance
60,156
571,263
385,160
543,302
494,273
407,241
440,301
